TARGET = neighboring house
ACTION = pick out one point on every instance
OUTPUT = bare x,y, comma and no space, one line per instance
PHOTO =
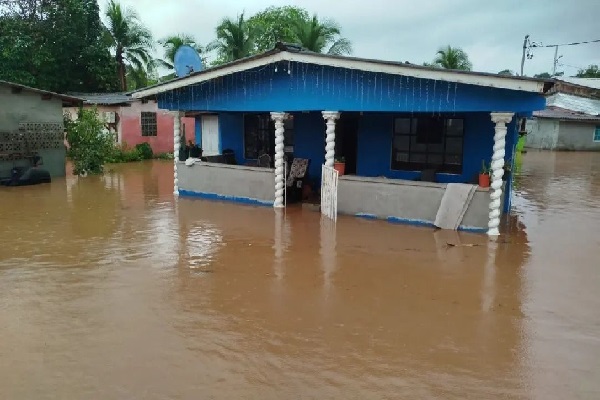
406,132
31,124
134,121
571,120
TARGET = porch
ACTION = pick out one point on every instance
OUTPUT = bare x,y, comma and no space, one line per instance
398,167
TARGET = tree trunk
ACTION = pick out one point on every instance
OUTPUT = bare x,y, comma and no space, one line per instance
121,69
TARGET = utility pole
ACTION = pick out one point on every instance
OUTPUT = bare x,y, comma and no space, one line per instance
556,58
524,50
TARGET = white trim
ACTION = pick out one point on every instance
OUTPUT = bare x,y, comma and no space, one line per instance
350,63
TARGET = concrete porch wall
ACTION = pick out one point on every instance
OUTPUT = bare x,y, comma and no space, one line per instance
251,185
404,201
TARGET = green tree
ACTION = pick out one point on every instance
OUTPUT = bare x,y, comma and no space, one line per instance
276,24
68,59
452,58
235,39
321,36
590,72
506,72
90,145
130,41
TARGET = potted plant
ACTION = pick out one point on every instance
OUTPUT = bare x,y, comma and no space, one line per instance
340,165
195,151
484,175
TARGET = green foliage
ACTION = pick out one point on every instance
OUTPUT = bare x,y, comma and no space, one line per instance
123,153
54,45
321,36
130,41
506,72
235,39
452,58
90,145
276,24
145,150
590,72
164,156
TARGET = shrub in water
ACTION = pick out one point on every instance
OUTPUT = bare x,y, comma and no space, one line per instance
90,144
145,150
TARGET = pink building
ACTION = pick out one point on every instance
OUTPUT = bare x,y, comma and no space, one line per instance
135,121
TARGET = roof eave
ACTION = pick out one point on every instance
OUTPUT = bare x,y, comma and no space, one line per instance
469,78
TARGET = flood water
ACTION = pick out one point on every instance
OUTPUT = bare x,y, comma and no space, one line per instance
110,289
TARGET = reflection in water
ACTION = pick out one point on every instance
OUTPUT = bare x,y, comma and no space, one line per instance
111,289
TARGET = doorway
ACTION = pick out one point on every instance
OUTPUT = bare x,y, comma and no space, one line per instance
210,135
346,140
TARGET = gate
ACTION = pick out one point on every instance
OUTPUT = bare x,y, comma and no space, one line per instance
329,185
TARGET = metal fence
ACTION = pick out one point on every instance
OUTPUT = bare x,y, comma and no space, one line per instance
329,185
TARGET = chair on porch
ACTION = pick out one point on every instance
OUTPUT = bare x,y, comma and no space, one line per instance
296,179
264,161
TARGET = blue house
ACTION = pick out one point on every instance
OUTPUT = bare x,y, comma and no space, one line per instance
413,138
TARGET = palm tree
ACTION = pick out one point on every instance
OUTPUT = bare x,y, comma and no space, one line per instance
172,43
453,58
130,41
235,40
321,36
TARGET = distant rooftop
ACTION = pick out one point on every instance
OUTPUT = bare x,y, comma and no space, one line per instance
592,83
562,114
67,99
107,99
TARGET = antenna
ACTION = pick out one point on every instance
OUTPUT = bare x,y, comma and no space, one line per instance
187,61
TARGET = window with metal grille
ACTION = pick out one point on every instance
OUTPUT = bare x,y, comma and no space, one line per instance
428,143
149,124
259,135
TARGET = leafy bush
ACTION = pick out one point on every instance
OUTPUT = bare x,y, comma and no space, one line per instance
90,144
145,150
123,153
164,156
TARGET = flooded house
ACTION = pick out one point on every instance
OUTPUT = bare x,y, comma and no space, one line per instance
571,119
412,139
134,121
31,128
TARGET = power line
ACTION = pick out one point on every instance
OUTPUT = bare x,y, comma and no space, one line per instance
564,44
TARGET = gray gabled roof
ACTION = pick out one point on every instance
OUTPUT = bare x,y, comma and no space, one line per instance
106,99
63,97
562,114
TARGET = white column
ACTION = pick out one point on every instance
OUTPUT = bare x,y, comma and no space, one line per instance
278,117
500,119
330,117
176,145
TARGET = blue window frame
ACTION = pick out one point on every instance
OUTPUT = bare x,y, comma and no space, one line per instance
597,134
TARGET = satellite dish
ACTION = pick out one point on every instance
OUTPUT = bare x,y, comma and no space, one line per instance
187,61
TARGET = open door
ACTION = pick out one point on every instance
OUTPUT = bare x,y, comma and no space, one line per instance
346,140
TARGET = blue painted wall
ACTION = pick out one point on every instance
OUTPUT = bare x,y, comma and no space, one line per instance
309,141
303,87
231,131
375,147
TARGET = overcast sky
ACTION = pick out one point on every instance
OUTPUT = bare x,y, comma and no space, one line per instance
412,30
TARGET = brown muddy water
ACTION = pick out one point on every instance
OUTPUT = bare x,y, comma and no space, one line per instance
111,290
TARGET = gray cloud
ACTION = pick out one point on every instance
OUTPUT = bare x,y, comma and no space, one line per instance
408,30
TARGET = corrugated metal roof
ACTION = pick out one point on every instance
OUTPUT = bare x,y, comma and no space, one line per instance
104,98
66,98
592,83
287,52
565,115
574,103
